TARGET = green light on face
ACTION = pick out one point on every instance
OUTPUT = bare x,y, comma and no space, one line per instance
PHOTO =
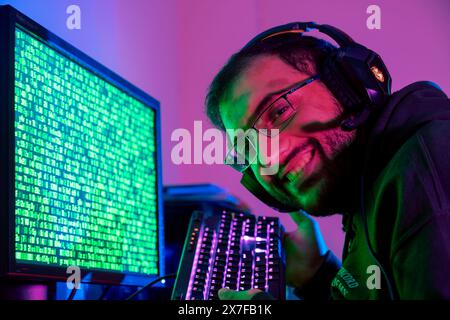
85,183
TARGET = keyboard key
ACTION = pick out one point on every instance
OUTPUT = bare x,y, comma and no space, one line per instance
231,285
197,288
246,274
273,277
219,263
260,269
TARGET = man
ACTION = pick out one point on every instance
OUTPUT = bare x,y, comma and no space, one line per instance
389,176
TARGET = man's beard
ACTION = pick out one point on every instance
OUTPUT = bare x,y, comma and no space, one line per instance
338,193
333,185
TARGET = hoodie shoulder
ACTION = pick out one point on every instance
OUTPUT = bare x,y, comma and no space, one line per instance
423,89
412,156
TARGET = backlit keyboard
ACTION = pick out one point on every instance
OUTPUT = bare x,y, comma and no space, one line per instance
230,249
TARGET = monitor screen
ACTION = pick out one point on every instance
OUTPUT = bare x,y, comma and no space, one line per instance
86,186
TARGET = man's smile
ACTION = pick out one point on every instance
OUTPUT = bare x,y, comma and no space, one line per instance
297,166
296,163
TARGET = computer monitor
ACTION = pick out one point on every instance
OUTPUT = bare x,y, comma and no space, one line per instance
80,168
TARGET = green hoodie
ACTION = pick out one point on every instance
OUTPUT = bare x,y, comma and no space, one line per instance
405,207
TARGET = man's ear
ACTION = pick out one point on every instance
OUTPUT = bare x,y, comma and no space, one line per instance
250,182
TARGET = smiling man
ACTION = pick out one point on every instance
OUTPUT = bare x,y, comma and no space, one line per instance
347,146
311,138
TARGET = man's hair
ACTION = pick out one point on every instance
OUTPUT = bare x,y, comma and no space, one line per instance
306,54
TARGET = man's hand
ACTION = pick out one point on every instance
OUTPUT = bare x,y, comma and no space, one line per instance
228,294
304,249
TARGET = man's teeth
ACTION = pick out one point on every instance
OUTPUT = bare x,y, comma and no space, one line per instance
291,176
304,161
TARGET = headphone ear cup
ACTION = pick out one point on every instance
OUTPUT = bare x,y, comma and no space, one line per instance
358,79
250,182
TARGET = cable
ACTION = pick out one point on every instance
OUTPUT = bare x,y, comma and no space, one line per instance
171,275
104,292
72,293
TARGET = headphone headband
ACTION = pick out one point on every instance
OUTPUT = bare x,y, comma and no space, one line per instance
341,38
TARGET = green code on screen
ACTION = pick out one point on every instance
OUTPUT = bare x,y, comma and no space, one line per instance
85,175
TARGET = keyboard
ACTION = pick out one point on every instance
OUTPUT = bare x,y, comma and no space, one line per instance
230,249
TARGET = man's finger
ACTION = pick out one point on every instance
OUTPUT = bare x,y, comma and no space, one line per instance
228,294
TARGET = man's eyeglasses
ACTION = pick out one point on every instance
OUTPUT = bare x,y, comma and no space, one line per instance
270,122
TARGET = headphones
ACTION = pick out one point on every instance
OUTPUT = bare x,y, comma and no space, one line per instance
354,74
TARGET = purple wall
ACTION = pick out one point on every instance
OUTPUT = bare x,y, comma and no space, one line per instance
172,49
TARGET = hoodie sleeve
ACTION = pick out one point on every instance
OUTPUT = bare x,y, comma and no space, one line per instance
319,287
421,263
420,251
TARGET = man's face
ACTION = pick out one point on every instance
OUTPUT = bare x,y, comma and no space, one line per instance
310,160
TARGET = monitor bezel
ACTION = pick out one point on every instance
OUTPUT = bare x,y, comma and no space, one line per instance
9,19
